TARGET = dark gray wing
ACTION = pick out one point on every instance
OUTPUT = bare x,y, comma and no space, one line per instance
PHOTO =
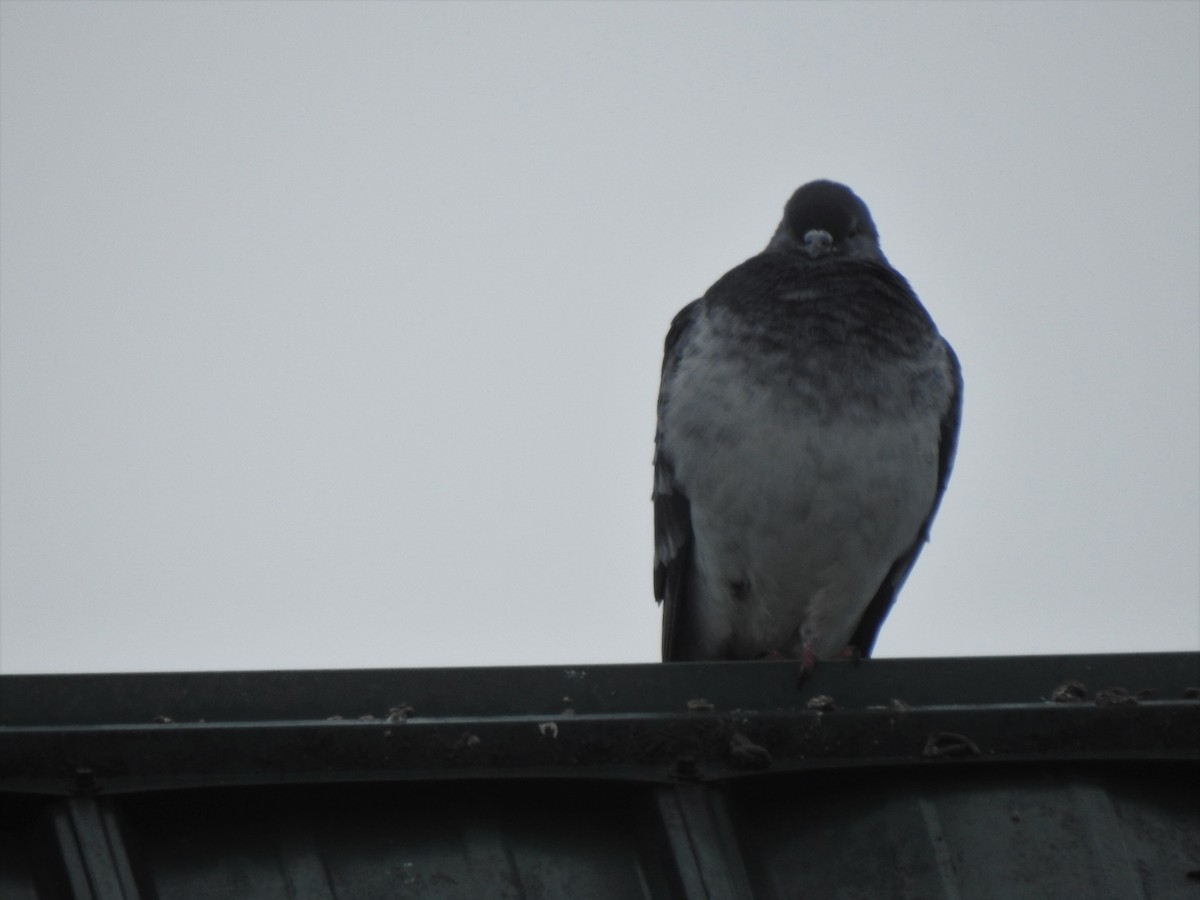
868,628
672,511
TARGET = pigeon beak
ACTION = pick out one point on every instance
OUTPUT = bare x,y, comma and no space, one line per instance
818,243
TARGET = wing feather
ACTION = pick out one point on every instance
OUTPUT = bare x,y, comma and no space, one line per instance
672,510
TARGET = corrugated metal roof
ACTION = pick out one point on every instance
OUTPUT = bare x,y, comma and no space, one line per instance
890,778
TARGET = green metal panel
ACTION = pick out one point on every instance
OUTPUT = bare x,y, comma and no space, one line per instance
959,778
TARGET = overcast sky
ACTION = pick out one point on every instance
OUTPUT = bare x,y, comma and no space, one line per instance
332,332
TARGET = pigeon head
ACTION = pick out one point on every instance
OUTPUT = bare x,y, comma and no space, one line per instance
825,218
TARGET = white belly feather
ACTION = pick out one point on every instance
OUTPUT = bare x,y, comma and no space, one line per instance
797,516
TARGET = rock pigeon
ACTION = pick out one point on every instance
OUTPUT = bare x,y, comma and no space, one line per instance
807,421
